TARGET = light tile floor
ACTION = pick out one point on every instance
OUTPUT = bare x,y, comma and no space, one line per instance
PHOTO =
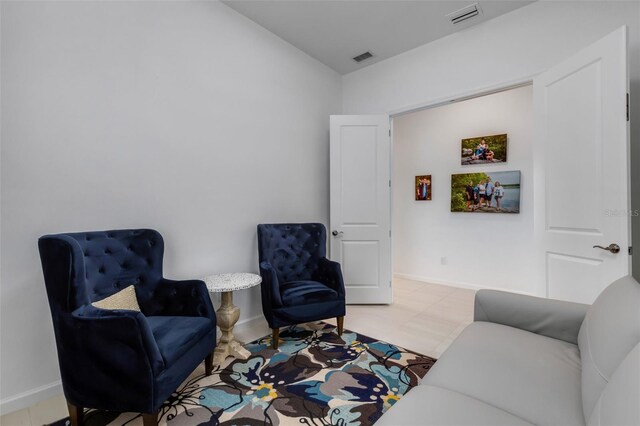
424,318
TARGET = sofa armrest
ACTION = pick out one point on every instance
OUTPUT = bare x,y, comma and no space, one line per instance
547,317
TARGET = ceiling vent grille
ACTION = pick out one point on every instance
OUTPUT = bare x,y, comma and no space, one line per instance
362,57
465,14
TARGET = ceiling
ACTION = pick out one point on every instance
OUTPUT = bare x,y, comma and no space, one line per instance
334,32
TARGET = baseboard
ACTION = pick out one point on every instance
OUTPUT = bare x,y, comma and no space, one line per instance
30,397
458,284
250,320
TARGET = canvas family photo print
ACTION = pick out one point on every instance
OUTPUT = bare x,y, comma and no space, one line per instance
484,150
487,192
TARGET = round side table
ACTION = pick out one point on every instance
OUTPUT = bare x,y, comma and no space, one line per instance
228,313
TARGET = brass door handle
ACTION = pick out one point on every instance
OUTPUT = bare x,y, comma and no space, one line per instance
613,248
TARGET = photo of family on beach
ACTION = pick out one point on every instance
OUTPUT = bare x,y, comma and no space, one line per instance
494,192
484,150
423,188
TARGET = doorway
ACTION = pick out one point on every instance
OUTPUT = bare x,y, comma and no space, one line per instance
480,249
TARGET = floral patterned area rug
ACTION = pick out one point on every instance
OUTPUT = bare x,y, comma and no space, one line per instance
315,378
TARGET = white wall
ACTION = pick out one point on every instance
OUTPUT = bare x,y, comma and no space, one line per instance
481,249
512,47
184,117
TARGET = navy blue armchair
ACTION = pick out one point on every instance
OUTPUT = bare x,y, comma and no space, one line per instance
123,360
299,284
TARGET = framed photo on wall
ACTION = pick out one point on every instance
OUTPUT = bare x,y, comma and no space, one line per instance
484,150
486,192
423,188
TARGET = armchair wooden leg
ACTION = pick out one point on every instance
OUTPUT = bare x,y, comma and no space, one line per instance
76,414
208,364
276,338
340,321
150,419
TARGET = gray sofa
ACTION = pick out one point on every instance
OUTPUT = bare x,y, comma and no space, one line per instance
526,360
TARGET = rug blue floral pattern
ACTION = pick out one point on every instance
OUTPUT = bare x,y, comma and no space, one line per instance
315,378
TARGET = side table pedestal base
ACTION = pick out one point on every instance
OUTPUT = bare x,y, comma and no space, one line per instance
227,316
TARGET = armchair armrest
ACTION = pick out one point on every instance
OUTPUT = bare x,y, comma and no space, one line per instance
330,273
112,338
552,318
181,298
270,287
107,358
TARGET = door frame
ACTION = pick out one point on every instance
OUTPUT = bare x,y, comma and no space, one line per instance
463,96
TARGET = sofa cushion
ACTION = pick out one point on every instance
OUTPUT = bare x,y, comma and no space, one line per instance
610,330
176,335
296,293
530,376
431,405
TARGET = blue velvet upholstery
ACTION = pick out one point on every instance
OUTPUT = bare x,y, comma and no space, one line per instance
123,360
295,293
299,284
177,335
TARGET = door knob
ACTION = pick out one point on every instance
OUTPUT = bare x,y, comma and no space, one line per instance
336,233
613,248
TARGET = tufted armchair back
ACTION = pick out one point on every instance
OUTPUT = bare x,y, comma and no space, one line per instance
292,249
98,264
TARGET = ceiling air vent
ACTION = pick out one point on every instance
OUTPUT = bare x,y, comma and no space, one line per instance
464,14
363,56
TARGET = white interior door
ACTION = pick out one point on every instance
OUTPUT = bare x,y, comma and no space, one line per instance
581,170
360,230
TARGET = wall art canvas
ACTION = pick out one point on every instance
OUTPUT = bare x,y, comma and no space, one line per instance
484,150
423,188
486,192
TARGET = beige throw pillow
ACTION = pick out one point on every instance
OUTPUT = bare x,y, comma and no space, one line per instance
124,299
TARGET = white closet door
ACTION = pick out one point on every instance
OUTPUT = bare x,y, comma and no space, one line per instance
360,229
